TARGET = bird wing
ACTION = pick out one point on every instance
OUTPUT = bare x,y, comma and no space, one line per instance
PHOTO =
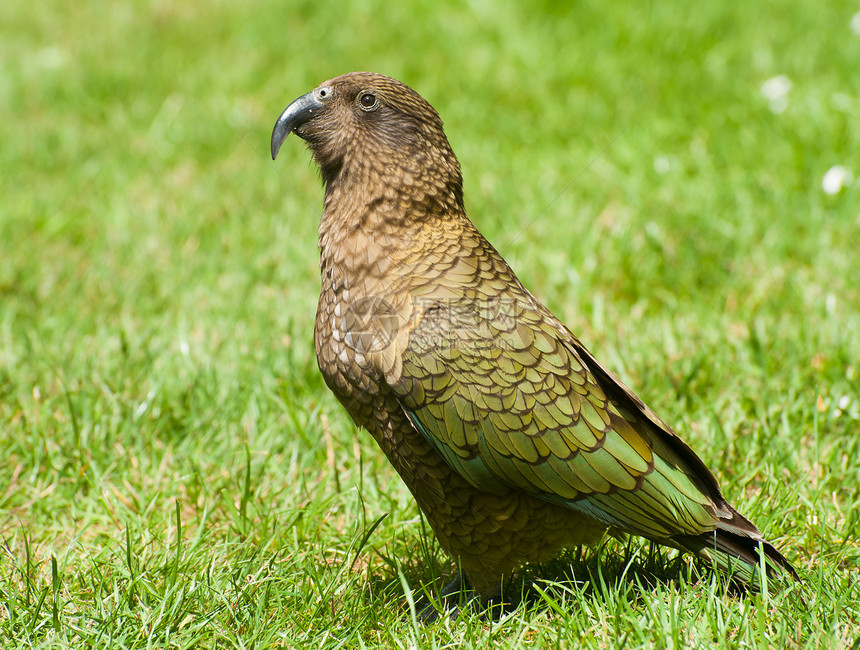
512,400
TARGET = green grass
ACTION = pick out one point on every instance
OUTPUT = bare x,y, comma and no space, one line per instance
173,472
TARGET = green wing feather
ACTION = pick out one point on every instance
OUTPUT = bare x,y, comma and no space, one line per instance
507,397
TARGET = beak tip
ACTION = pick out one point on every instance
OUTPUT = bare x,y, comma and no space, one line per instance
279,134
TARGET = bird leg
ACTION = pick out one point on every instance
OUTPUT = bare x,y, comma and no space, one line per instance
458,595
451,599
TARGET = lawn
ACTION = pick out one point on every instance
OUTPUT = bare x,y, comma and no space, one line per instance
680,184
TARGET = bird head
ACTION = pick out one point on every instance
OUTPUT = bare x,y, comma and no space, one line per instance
368,122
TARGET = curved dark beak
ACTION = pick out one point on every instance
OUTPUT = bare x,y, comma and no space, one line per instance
294,115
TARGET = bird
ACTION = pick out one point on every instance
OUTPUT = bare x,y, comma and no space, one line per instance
513,439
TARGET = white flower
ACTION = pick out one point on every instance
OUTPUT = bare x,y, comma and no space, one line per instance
50,58
663,164
775,90
855,23
835,179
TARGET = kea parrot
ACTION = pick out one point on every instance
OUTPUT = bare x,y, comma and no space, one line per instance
514,440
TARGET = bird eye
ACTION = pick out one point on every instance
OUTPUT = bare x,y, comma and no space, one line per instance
367,101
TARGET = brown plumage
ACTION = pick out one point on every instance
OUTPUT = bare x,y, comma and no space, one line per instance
513,439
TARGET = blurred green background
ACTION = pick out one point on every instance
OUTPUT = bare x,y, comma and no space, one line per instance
678,182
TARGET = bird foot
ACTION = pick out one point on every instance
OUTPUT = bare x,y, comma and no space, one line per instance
457,596
453,597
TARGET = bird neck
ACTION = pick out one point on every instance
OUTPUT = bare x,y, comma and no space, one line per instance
420,180
393,195
385,219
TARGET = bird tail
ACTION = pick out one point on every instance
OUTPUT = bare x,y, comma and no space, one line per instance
737,547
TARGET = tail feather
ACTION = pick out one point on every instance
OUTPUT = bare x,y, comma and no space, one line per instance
736,547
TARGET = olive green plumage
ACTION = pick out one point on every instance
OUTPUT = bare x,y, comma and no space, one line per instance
514,440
